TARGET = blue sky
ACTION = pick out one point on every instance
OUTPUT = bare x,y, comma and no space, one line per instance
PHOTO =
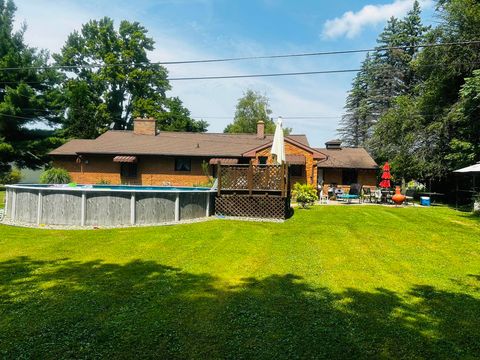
197,29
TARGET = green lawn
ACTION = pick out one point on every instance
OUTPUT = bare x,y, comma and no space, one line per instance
332,282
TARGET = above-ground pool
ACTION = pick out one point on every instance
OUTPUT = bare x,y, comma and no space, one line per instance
105,205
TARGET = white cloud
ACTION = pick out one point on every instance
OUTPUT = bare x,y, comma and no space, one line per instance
350,24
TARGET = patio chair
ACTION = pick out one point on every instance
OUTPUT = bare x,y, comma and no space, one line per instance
322,198
339,194
367,195
355,192
377,196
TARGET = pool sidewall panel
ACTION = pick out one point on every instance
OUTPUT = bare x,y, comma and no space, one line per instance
108,208
193,205
26,200
104,208
154,208
61,207
8,200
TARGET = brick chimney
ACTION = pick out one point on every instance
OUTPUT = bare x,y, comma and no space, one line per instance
260,130
145,126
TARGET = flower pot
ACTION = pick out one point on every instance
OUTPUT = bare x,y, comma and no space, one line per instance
398,198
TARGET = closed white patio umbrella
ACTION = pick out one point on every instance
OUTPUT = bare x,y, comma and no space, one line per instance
278,145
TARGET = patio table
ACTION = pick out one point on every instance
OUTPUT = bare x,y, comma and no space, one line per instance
432,195
387,196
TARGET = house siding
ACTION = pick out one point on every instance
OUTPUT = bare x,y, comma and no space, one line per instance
152,170
310,174
366,177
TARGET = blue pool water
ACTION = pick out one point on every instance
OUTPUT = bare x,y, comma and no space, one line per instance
139,187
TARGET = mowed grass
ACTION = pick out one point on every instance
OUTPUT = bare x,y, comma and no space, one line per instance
331,282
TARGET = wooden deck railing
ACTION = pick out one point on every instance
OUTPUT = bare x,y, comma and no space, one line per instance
253,179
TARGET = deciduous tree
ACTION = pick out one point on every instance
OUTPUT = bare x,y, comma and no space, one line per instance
110,71
251,108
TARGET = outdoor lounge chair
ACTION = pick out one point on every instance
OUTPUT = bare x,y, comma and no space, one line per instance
355,192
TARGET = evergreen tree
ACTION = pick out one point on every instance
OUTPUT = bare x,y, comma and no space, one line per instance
357,121
386,74
28,97
413,34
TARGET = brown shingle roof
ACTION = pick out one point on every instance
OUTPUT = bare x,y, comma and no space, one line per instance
71,147
350,158
169,143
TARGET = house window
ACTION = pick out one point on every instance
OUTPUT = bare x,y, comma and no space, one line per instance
349,176
183,164
262,160
296,170
128,170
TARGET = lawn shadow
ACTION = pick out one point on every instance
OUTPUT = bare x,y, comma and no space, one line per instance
471,216
69,309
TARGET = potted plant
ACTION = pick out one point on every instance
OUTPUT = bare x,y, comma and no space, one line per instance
305,194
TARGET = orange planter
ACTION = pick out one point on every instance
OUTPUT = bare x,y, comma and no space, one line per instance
398,198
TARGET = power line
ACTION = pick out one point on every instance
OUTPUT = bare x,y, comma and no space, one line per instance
230,59
264,75
225,76
320,53
313,117
299,73
18,117
283,117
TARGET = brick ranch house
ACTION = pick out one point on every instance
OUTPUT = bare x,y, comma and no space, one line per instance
146,156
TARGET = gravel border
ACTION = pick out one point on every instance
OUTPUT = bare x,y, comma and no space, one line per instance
251,219
93,227
8,222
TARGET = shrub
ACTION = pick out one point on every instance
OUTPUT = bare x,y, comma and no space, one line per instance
55,176
12,177
206,171
416,186
103,182
305,194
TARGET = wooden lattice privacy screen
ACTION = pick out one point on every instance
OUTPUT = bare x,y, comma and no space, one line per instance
249,190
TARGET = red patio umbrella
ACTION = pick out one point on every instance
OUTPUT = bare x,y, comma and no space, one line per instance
385,183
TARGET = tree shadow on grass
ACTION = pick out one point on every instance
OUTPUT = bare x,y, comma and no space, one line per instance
142,309
471,216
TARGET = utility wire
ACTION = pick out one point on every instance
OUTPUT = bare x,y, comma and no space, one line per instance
256,75
280,56
264,75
